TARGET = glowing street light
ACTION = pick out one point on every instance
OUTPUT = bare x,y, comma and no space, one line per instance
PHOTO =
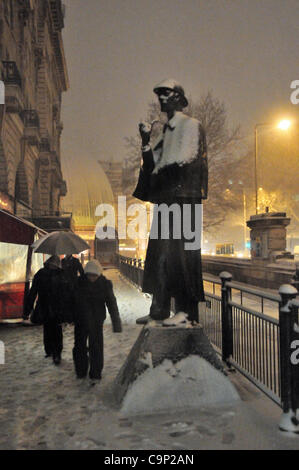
284,125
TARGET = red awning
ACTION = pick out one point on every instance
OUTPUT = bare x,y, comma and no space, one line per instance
16,230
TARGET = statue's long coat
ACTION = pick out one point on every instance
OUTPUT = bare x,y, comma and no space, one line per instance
175,170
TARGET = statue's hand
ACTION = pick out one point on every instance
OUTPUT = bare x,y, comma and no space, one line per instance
145,130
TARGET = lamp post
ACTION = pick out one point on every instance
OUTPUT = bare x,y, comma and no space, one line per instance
242,189
282,125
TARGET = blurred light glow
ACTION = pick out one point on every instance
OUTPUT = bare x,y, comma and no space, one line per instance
284,124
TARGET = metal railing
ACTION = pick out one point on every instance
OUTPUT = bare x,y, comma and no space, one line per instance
132,269
246,338
53,213
263,347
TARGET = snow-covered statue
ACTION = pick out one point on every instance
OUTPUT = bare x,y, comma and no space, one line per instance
174,176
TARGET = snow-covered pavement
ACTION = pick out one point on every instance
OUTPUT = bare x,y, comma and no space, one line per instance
45,407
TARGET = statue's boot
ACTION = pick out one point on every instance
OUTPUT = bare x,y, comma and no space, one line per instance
144,320
147,318
177,320
159,311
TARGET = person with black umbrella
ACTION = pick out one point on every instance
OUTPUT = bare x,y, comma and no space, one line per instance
49,287
72,268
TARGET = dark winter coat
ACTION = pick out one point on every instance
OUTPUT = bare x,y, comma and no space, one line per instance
92,298
54,298
175,170
72,268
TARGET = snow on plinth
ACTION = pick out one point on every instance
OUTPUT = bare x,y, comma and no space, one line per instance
189,384
172,369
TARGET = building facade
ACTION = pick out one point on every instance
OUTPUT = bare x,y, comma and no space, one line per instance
34,72
113,171
123,180
88,187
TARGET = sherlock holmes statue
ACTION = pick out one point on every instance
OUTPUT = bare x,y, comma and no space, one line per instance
174,174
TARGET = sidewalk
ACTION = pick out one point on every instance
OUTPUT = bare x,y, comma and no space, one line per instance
45,407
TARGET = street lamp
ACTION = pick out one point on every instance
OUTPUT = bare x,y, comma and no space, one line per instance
284,125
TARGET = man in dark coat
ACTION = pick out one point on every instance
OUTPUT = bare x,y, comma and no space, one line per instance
174,172
94,293
72,267
48,286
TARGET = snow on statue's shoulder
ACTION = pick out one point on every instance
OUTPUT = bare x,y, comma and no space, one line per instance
180,146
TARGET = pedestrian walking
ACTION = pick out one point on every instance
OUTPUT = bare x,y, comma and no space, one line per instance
49,287
94,293
72,268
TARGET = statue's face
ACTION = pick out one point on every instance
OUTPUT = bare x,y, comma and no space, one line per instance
169,100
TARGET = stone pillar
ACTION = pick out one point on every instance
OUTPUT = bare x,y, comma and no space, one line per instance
268,236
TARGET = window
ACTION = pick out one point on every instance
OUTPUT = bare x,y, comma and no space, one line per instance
13,259
9,12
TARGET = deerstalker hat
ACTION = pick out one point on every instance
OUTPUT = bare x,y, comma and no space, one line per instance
172,84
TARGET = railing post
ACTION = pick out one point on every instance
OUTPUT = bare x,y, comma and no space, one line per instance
121,264
128,268
135,273
226,317
287,320
295,279
295,354
125,269
140,273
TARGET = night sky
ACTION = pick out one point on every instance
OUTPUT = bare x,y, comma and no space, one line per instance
245,51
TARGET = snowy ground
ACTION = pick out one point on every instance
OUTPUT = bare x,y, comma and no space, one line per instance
45,407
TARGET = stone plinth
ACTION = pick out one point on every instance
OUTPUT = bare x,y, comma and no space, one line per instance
169,369
268,236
